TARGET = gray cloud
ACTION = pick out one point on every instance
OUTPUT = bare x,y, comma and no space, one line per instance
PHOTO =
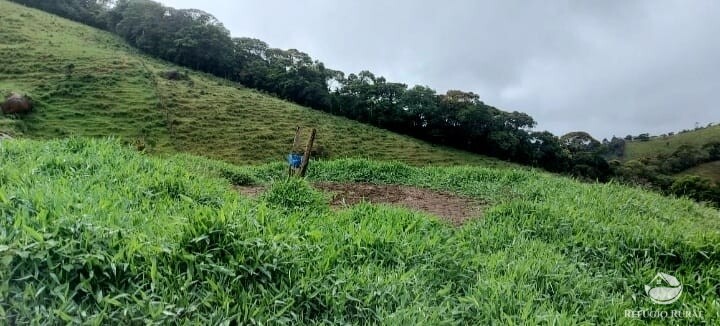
607,67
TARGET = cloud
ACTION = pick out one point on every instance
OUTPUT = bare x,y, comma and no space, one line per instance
610,68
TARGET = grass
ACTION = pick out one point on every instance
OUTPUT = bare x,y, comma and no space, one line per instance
149,240
667,145
90,83
95,232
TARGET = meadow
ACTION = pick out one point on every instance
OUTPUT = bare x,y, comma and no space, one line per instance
149,240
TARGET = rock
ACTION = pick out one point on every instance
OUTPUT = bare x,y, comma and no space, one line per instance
4,136
16,103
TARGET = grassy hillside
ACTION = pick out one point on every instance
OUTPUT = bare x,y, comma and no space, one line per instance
86,82
147,240
667,145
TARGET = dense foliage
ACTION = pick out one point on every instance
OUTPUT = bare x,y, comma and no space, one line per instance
144,240
196,39
90,12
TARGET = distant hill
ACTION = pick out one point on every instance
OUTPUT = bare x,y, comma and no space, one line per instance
87,82
667,145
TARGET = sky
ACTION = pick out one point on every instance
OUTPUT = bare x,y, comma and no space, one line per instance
606,67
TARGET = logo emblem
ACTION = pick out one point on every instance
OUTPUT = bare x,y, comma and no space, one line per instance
664,289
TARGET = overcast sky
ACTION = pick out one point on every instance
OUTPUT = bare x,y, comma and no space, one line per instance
607,67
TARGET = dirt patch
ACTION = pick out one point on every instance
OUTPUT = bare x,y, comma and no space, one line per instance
250,191
451,207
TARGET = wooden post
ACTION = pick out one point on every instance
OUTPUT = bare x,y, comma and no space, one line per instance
306,157
295,140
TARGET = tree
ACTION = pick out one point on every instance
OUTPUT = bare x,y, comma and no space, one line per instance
202,42
420,103
579,141
90,12
546,151
694,187
713,150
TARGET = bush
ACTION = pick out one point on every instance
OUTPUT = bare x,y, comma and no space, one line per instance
695,187
176,75
239,178
295,194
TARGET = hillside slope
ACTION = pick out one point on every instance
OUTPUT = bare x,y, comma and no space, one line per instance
145,240
667,145
86,82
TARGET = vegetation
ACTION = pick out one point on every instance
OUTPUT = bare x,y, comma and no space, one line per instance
682,164
197,40
710,171
85,82
164,239
143,240
667,144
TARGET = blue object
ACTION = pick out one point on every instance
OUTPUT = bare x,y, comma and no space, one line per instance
295,160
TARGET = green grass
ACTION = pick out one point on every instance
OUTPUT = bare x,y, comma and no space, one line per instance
146,240
111,90
667,145
709,170
94,232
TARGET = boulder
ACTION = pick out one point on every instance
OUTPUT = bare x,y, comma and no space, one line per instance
16,103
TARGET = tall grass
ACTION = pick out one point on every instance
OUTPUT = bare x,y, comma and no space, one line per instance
93,232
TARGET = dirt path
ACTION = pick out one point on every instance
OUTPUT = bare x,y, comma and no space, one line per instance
451,207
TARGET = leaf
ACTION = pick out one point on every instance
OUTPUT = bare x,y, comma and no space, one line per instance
34,234
63,316
112,301
187,199
7,260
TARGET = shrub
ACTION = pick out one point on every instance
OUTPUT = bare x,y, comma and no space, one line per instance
239,178
295,194
694,187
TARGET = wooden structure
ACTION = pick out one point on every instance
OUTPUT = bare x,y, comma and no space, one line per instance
295,168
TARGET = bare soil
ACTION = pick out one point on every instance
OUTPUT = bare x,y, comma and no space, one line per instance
451,207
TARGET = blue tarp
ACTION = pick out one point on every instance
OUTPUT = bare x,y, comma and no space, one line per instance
295,160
